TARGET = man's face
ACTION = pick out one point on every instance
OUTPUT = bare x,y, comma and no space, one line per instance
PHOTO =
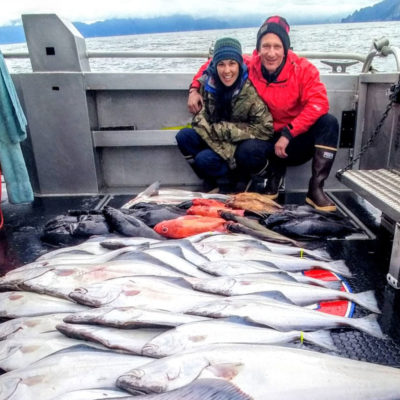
271,52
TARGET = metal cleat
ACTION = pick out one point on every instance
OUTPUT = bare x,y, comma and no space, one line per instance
339,67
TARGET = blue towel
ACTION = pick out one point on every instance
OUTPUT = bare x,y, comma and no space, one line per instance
12,132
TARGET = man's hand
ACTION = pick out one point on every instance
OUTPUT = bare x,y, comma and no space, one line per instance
280,147
195,101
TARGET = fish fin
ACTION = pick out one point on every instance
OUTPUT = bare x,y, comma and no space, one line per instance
225,370
334,285
321,338
204,389
368,324
340,267
367,300
148,192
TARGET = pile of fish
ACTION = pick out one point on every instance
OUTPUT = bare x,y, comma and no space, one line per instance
151,215
216,315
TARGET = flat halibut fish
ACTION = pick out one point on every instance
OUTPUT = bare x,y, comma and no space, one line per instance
131,317
30,326
299,293
261,372
289,263
284,317
27,304
129,341
197,334
142,292
77,368
20,352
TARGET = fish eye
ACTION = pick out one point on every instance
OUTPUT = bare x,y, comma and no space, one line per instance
164,229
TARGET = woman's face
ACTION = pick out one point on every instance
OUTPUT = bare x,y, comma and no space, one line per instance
228,71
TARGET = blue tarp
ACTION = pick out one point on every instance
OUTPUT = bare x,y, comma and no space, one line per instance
12,132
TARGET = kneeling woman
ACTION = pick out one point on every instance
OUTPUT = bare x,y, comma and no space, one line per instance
230,137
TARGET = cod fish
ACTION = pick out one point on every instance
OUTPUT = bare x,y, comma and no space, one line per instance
196,334
77,368
299,293
254,202
152,214
129,341
128,225
308,223
284,317
268,372
131,317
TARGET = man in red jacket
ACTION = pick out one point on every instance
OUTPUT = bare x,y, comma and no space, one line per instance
298,102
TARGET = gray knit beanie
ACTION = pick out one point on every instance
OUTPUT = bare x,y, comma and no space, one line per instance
227,49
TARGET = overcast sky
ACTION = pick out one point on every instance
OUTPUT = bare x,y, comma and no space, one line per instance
95,10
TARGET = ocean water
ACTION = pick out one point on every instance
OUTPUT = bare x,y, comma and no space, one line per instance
342,38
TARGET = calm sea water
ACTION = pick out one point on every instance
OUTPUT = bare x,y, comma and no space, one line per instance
349,38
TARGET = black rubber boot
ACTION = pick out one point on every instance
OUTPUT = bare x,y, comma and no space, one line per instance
226,184
275,173
321,167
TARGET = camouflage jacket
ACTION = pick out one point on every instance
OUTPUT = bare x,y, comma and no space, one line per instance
250,119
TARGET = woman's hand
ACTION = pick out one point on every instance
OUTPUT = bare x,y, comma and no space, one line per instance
195,101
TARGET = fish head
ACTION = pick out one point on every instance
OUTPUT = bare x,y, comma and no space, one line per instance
9,348
96,295
165,344
163,228
163,375
216,309
17,388
220,285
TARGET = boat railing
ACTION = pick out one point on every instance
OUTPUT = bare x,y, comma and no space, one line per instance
337,66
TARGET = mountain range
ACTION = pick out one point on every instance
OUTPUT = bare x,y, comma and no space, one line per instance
386,10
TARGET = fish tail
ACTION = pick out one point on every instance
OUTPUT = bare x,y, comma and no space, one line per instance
368,324
321,338
340,267
367,300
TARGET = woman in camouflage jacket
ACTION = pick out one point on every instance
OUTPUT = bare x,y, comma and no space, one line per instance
230,137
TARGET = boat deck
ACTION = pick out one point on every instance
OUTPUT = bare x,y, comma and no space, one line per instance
367,256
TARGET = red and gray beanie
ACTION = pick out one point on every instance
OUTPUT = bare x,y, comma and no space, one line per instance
277,25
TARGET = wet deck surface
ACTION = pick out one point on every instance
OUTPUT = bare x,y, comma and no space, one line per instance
368,259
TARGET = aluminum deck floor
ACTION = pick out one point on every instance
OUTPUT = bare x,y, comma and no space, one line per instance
367,258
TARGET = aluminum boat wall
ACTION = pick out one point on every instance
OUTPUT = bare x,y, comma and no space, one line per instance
94,133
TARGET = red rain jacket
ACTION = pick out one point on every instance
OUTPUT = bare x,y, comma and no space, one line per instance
298,97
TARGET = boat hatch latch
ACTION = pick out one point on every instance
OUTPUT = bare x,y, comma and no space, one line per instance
339,67
347,129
